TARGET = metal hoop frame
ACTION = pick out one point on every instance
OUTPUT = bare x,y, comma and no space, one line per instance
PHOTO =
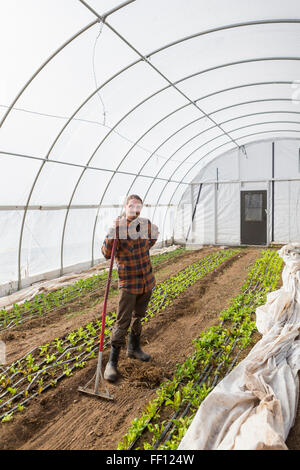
170,84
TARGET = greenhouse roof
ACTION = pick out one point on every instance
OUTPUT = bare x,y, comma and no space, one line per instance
100,99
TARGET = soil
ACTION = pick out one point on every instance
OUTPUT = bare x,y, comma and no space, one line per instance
65,419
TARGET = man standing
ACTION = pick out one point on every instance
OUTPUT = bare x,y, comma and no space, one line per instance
136,235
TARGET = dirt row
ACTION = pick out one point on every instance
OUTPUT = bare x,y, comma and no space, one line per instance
64,419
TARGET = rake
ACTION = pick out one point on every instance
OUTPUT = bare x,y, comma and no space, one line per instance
98,375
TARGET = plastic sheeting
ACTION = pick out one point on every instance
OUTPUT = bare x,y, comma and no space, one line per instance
254,406
90,110
45,287
253,167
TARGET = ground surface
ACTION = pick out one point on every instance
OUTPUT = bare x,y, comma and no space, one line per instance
63,418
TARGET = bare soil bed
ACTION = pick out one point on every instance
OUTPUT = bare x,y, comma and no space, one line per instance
63,418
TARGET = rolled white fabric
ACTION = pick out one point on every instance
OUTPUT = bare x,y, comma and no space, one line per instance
255,405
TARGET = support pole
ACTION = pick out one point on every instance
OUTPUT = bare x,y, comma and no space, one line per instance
269,208
194,213
216,213
273,188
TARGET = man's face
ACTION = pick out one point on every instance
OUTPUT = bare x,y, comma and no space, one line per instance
133,208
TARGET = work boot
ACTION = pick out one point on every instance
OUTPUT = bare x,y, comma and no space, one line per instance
111,372
134,350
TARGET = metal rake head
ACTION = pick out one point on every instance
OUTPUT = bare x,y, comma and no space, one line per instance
95,391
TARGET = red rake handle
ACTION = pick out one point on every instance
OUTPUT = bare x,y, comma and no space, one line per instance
106,294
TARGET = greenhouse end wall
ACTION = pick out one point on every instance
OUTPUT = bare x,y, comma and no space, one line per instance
269,167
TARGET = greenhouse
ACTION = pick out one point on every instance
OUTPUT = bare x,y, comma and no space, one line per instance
186,113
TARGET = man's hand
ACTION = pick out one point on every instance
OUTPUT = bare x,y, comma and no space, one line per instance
113,232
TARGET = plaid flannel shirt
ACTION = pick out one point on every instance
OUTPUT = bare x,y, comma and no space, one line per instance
135,238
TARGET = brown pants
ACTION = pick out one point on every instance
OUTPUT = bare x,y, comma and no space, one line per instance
131,310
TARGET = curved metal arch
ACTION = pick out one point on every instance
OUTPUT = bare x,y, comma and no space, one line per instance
103,17
218,110
206,130
156,51
245,61
192,138
88,98
82,173
142,58
154,94
133,48
130,65
158,122
195,120
96,219
212,140
222,145
239,138
222,109
54,54
41,167
157,70
229,150
57,51
227,27
91,95
140,138
188,104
